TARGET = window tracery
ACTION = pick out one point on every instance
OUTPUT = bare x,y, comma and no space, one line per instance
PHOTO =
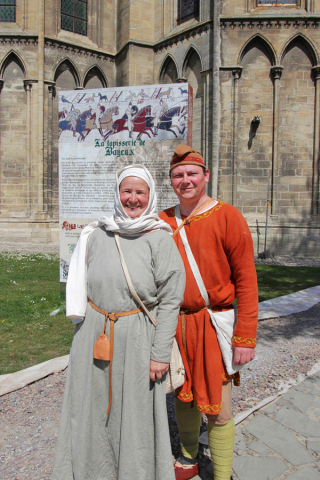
8,11
187,9
74,16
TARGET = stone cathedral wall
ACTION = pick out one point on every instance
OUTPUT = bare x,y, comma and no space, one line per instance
270,68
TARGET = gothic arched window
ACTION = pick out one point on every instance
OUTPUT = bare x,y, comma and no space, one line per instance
74,16
8,11
187,9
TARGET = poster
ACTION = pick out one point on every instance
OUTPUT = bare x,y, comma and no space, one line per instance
102,130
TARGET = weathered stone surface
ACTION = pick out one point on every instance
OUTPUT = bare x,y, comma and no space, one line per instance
299,387
253,468
313,445
299,399
280,439
259,447
316,404
239,443
298,422
270,408
305,473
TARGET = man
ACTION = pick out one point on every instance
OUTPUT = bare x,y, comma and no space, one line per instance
73,115
130,111
221,244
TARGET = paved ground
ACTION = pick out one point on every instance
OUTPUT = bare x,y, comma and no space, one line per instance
282,440
278,442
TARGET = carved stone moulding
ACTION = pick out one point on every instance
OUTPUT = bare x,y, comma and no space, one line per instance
181,36
276,71
14,40
79,51
269,23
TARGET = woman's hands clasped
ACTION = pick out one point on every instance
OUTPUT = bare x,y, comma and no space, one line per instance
158,369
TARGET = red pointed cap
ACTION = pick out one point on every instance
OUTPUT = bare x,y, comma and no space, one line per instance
185,155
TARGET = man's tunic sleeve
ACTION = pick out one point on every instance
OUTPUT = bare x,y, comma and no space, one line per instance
239,249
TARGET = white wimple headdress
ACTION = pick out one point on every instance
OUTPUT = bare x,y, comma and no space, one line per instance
76,292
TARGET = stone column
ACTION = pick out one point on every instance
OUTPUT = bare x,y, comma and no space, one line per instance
236,72
40,213
213,162
51,91
205,114
28,87
315,181
1,85
276,73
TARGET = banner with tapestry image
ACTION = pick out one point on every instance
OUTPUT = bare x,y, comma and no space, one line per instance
102,130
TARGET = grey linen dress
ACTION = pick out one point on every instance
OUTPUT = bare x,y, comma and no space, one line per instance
132,442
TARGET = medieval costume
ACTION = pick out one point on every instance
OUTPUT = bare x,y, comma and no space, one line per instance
132,441
220,241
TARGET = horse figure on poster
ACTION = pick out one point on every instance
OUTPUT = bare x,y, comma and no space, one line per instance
139,123
106,122
166,121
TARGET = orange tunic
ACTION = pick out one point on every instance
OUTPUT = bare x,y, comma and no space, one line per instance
222,246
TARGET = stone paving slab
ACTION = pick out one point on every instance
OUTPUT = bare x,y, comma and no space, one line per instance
257,468
279,439
305,473
259,447
300,400
298,422
279,442
314,446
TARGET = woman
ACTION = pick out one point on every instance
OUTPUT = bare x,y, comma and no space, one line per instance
132,441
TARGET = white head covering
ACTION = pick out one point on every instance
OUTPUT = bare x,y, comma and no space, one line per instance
120,221
76,292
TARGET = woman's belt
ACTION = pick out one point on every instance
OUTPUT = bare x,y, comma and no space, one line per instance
104,338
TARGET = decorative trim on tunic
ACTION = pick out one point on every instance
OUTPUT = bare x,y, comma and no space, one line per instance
186,397
215,409
206,214
235,378
246,341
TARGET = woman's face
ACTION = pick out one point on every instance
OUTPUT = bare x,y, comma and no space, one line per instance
134,196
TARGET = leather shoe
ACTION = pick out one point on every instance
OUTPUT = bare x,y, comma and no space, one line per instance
187,469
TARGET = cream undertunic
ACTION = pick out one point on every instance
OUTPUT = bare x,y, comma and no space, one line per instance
132,442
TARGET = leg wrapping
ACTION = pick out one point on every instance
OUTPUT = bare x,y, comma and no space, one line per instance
221,444
189,421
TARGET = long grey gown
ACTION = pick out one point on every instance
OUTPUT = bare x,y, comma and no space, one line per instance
132,442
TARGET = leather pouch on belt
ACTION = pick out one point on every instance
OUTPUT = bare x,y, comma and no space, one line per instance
101,349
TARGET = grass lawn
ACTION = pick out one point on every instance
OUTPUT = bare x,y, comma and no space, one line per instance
276,281
30,290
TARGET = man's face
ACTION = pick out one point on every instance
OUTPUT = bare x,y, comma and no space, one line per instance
189,181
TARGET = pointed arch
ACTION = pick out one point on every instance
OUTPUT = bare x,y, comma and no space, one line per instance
95,71
191,50
15,57
300,40
192,69
263,44
67,64
168,70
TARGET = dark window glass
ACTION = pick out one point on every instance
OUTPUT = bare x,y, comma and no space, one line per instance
187,9
8,11
273,2
74,16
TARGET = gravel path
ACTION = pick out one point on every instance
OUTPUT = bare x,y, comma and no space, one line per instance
29,417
